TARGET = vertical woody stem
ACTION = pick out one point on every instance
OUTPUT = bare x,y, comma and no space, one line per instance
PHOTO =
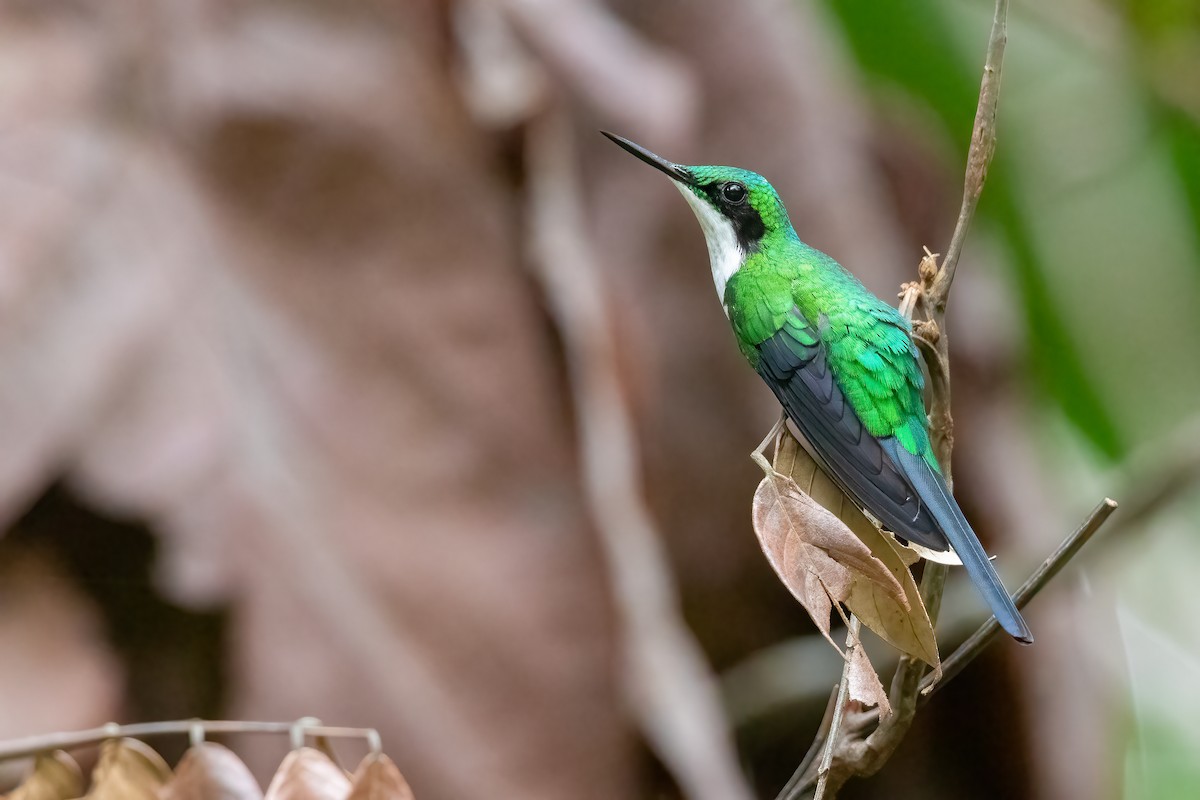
853,755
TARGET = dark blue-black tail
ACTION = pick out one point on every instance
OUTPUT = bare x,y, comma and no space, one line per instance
932,489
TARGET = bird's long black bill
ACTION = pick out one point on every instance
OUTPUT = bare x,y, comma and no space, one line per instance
672,170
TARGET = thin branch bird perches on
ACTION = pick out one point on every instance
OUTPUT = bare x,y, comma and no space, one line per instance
863,743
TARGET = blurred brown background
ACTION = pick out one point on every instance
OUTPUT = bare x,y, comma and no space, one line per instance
346,371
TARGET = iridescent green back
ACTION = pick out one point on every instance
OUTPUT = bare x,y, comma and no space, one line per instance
867,342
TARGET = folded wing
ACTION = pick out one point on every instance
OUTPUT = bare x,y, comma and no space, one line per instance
793,363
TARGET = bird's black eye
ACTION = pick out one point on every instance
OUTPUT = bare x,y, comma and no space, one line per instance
734,193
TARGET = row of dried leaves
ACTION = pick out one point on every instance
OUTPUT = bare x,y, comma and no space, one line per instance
830,555
131,770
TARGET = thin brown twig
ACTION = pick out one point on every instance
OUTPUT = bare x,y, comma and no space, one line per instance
911,297
979,155
977,642
852,755
974,644
883,741
33,745
839,709
857,753
816,748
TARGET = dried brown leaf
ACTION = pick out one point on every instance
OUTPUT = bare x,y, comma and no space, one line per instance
128,770
863,682
378,778
904,626
55,776
813,552
210,771
900,621
308,774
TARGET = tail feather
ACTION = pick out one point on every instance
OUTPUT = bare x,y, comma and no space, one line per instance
936,495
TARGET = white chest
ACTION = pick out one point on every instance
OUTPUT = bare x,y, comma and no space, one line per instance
725,255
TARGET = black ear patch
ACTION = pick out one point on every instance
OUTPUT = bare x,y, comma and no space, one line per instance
747,222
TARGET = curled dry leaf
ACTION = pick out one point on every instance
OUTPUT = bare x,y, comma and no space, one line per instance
55,776
901,621
378,778
863,682
813,552
128,770
210,771
905,627
308,774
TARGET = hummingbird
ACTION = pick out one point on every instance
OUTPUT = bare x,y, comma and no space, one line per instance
840,361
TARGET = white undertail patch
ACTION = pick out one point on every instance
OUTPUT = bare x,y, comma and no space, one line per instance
724,254
948,557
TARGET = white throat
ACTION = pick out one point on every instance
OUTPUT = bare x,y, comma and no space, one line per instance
724,254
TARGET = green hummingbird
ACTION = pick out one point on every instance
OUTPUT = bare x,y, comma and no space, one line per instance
840,361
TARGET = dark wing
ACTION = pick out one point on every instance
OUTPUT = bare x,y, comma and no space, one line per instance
793,364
